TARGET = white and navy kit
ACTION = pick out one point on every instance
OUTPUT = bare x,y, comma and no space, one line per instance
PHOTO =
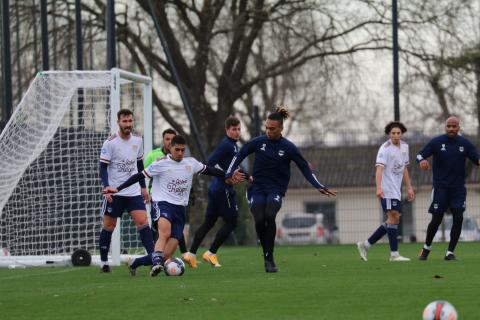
449,155
221,196
271,168
393,159
172,182
121,156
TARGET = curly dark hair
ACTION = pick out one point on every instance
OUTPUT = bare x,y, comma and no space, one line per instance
395,124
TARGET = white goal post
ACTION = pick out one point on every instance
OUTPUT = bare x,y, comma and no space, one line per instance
50,190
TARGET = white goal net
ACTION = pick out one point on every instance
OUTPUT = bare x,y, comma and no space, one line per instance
50,190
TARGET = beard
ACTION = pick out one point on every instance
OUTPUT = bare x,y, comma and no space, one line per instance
126,130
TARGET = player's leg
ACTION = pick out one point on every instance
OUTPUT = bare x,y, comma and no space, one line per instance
273,205
208,223
182,246
228,209
440,200
154,216
393,220
138,212
258,212
110,211
147,259
158,256
176,231
191,257
170,248
457,207
363,246
229,224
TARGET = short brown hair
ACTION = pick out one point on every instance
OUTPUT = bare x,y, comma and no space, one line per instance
168,131
178,139
124,112
231,122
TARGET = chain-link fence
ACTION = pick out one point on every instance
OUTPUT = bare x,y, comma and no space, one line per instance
349,166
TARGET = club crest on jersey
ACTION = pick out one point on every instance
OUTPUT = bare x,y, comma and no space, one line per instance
443,147
277,198
281,153
263,147
461,149
135,147
188,168
435,206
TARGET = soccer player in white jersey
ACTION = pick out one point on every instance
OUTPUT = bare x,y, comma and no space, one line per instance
120,158
172,180
391,169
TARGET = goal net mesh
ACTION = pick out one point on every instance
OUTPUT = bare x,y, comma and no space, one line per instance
50,190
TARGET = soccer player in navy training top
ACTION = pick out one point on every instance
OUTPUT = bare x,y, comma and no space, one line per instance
271,175
221,198
449,153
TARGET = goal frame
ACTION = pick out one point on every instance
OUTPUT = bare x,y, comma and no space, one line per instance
118,77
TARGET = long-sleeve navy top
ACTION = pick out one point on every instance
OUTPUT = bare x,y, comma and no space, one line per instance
221,158
449,155
271,168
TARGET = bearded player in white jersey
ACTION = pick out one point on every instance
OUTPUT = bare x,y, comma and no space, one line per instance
391,169
120,158
172,180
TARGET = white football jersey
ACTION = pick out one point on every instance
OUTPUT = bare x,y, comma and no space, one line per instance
172,180
393,159
122,155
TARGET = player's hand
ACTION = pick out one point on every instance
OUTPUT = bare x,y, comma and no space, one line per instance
410,194
145,195
238,176
379,193
424,164
109,190
108,197
328,192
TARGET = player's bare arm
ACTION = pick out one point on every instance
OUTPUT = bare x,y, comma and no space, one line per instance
378,181
408,185
145,195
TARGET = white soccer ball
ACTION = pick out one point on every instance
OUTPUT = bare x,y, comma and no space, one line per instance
174,267
440,310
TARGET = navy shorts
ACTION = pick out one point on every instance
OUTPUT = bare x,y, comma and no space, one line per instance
391,204
173,213
263,197
120,204
222,203
444,198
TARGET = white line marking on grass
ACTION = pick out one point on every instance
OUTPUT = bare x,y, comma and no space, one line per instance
39,274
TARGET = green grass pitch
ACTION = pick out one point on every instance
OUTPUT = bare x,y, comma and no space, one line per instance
313,282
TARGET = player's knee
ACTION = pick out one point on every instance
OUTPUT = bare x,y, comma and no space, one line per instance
457,219
139,223
140,219
271,211
109,223
436,219
231,224
258,213
393,219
